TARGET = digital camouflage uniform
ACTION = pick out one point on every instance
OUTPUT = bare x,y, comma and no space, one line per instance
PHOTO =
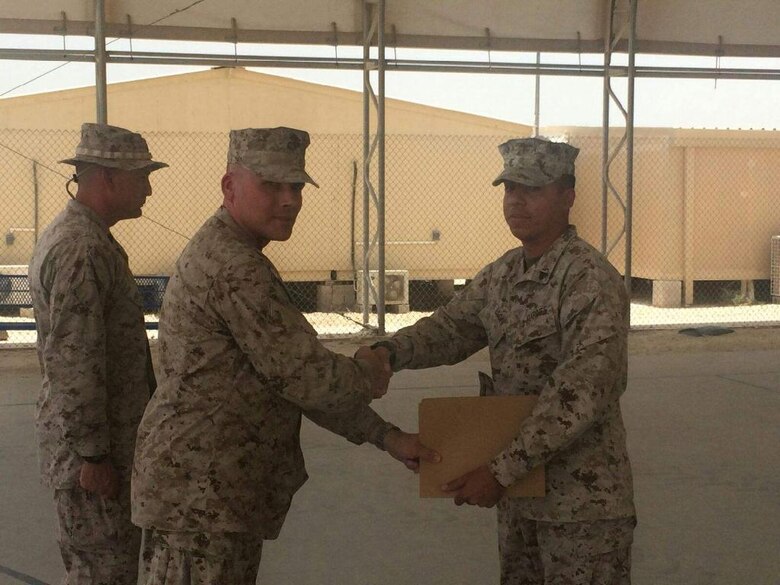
96,369
557,330
218,457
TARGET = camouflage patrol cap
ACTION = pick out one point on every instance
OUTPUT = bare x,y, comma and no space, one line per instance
113,147
536,162
277,154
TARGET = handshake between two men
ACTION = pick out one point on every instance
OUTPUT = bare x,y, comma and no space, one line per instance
478,487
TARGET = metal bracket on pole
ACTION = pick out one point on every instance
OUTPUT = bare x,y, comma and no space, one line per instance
718,54
335,40
394,34
373,26
234,26
130,34
64,30
626,142
489,44
100,62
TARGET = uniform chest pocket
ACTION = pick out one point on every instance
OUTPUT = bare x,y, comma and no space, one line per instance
494,325
533,328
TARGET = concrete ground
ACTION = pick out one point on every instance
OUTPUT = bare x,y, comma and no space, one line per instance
703,418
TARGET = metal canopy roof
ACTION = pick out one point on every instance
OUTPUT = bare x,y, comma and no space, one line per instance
692,27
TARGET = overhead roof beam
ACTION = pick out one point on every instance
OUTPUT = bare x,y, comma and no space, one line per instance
439,66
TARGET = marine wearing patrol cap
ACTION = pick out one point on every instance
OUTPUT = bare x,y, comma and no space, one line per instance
113,147
535,162
277,154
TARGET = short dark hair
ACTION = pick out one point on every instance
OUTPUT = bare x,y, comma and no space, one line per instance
566,182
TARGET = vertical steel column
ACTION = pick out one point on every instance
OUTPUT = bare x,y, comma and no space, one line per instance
373,24
605,127
380,136
630,142
366,177
36,203
537,91
627,140
100,62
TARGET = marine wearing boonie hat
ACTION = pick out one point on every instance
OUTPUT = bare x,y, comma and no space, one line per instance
535,162
113,147
276,154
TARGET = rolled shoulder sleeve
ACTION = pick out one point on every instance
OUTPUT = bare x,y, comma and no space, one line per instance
282,346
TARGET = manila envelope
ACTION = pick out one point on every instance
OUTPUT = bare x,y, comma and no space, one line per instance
468,432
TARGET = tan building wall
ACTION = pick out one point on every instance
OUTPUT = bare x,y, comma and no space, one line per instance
224,98
185,119
705,202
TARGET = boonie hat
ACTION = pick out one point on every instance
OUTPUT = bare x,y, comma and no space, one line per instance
277,154
536,162
113,147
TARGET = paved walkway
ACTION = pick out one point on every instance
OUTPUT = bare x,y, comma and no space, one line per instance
703,417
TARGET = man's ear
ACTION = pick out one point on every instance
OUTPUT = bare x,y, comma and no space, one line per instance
228,187
570,195
105,176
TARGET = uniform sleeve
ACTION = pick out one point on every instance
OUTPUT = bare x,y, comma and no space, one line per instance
589,378
451,334
358,426
77,279
281,345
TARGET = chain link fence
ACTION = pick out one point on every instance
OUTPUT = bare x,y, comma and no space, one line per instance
704,206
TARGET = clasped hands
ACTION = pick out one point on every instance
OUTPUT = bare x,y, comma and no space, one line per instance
379,362
478,487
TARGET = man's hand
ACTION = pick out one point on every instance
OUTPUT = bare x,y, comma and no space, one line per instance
383,354
100,478
381,372
406,447
477,488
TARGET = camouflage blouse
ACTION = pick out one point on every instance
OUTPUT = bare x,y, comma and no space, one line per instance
92,347
218,449
556,330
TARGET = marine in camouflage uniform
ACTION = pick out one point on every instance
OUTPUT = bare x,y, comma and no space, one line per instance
218,456
556,326
94,356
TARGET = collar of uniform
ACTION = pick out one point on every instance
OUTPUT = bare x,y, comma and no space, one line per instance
82,210
542,270
224,216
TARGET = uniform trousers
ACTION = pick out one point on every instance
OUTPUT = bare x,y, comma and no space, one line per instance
98,543
563,553
199,558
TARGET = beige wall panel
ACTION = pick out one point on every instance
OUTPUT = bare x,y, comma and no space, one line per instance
444,184
658,210
439,168
657,203
736,213
220,99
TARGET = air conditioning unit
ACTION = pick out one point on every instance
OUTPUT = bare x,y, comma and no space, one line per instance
14,288
774,269
396,287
